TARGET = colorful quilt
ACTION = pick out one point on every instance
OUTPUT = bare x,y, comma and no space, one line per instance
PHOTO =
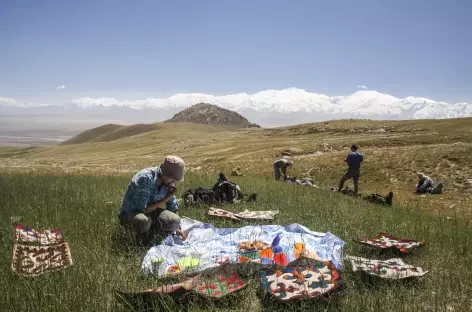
301,281
35,260
207,247
248,215
214,285
36,252
388,241
389,269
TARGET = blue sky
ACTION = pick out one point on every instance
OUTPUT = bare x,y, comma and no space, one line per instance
138,49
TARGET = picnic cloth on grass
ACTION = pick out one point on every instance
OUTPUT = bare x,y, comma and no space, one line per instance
207,246
393,268
36,252
248,215
302,280
217,284
388,241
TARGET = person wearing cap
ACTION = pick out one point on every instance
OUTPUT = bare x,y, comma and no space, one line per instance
353,160
280,168
424,183
149,205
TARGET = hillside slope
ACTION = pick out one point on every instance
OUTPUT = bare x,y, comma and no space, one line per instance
92,134
394,152
108,133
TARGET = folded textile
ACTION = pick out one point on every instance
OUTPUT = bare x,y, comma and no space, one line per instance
35,260
207,247
215,285
252,215
388,241
390,269
216,212
36,252
301,280
41,237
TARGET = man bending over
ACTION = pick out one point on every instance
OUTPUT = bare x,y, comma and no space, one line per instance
281,165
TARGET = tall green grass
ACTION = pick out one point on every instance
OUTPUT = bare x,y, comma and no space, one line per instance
104,260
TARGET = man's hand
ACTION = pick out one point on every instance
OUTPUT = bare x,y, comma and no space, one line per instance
181,234
153,206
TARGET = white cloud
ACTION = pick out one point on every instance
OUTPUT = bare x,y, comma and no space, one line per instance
89,102
7,101
362,87
60,87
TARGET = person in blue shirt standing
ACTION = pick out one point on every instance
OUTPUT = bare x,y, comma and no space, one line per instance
149,205
353,160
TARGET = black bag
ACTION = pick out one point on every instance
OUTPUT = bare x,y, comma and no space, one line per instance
226,192
379,199
436,188
223,192
199,196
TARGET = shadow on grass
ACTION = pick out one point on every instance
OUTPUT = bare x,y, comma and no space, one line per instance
127,243
178,301
328,303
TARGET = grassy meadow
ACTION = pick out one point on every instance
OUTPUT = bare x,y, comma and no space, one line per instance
85,207
394,152
78,188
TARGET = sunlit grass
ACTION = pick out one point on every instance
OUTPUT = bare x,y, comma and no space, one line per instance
86,210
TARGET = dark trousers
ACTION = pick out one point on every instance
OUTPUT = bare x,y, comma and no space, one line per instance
351,174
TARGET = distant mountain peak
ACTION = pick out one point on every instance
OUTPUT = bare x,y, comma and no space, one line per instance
205,113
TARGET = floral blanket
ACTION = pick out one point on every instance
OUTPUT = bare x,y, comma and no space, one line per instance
217,284
301,281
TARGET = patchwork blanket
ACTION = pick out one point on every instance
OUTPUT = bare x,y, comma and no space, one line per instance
305,281
388,241
207,246
214,285
248,215
388,269
36,252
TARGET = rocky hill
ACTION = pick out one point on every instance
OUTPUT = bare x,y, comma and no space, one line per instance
211,114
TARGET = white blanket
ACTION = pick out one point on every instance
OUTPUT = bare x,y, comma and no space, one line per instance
207,246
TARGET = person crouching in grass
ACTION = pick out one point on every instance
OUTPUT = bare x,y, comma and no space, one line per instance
149,205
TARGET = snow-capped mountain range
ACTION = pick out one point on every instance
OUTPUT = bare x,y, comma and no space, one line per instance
271,107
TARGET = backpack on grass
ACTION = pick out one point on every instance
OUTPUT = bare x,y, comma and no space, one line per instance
227,192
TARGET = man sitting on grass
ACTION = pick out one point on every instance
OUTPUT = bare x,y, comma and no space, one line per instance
427,185
148,192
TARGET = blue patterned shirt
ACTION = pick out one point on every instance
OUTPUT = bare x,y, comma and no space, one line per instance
143,190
